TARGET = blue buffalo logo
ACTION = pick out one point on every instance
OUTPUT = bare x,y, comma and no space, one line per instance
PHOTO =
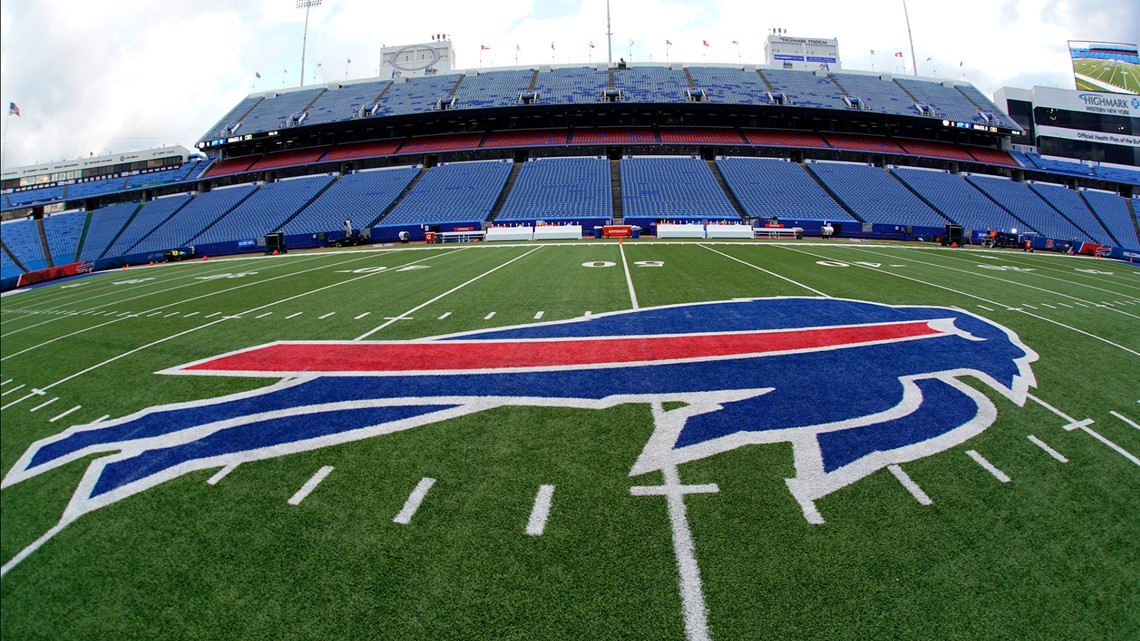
852,386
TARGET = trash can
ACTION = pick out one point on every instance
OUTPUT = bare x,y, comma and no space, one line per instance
597,232
635,232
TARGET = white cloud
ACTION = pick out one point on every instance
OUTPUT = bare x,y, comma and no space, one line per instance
130,74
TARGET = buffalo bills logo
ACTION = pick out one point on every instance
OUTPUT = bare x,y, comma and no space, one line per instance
853,386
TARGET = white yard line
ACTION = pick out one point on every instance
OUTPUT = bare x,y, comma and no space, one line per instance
770,273
1119,450
976,297
536,525
693,607
910,485
414,501
987,466
628,278
447,293
310,485
1048,450
201,327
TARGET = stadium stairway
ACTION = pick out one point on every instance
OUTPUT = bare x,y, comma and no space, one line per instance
507,186
834,196
615,188
407,190
12,257
44,241
126,223
223,215
728,192
302,208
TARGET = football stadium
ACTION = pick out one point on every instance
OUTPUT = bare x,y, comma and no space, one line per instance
603,350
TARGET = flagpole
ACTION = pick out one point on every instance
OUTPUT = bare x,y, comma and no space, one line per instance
609,37
913,60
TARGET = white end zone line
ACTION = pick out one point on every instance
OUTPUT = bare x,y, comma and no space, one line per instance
414,500
310,485
910,485
987,466
1048,450
536,525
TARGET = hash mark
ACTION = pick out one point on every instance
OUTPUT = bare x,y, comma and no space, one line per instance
326,316
293,315
445,315
414,500
1048,450
361,316
43,405
1125,419
263,315
987,466
910,485
538,515
538,315
310,485
56,418
489,316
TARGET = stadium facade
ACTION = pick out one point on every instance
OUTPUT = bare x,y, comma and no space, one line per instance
874,155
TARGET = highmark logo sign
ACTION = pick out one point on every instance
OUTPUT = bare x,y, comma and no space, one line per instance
1100,103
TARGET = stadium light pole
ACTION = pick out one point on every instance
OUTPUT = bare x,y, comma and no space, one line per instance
913,60
609,37
306,5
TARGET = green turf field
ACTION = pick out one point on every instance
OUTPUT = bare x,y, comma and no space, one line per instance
1107,73
1042,544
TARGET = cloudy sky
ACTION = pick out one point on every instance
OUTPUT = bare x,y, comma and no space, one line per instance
119,75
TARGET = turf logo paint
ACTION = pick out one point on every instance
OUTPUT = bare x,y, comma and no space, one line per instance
852,386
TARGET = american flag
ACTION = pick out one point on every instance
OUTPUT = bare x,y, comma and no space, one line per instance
13,110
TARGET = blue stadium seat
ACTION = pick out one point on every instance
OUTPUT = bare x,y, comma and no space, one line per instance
768,187
453,192
152,214
957,199
8,268
671,187
361,196
651,84
1112,210
1027,206
265,211
490,89
106,223
189,221
1069,203
874,195
560,188
806,89
571,85
22,238
877,95
63,232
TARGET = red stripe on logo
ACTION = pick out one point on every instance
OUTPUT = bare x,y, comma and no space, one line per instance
407,356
